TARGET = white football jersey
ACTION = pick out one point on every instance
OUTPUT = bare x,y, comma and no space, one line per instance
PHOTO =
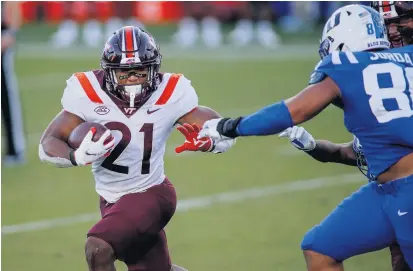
136,163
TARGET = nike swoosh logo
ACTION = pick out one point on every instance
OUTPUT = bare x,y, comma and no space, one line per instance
401,213
152,111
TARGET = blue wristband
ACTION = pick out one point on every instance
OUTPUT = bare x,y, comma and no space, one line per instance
270,120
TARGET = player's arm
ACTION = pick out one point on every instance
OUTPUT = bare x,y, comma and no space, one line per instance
326,151
279,116
321,150
53,144
190,127
54,149
199,116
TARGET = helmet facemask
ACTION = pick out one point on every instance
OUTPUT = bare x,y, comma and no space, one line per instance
361,159
403,34
133,94
398,17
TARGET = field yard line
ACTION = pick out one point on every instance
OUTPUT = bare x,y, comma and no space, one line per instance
200,202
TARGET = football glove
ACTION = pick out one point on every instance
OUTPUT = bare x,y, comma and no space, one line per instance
205,144
89,151
219,129
299,138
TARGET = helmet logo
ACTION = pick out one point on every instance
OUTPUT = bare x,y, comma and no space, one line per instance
331,24
130,60
109,52
102,110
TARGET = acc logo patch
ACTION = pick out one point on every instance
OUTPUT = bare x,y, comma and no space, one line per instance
102,110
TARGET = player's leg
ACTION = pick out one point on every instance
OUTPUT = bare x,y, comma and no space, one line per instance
150,251
321,262
399,209
133,227
357,225
149,254
100,256
398,262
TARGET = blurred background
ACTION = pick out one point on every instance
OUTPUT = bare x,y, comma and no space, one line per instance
247,209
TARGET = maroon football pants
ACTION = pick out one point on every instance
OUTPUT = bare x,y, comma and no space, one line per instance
134,227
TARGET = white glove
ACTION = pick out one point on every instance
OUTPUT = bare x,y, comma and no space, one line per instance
223,145
299,138
90,151
209,129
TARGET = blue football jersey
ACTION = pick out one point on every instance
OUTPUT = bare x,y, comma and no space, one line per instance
377,99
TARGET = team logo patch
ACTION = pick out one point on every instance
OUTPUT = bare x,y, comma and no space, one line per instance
102,110
129,110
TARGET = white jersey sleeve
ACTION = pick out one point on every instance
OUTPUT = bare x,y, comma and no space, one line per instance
184,98
74,98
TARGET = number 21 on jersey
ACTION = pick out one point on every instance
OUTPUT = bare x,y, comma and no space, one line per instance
400,90
147,130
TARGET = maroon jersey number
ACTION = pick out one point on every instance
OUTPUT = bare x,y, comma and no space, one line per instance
147,130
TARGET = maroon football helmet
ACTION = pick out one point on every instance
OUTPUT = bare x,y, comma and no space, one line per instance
131,48
396,13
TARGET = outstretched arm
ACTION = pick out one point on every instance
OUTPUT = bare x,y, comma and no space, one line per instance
279,116
190,127
199,116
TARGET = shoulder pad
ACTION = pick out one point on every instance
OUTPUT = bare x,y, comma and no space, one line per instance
177,87
179,95
74,98
73,89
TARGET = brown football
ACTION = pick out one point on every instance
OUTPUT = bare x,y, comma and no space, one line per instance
78,134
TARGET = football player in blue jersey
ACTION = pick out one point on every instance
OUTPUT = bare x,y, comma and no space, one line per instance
350,153
398,16
374,86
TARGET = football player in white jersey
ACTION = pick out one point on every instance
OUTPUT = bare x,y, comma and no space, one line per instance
139,106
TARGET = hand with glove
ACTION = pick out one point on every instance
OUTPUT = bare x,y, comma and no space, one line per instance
89,151
220,129
192,143
299,138
205,144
